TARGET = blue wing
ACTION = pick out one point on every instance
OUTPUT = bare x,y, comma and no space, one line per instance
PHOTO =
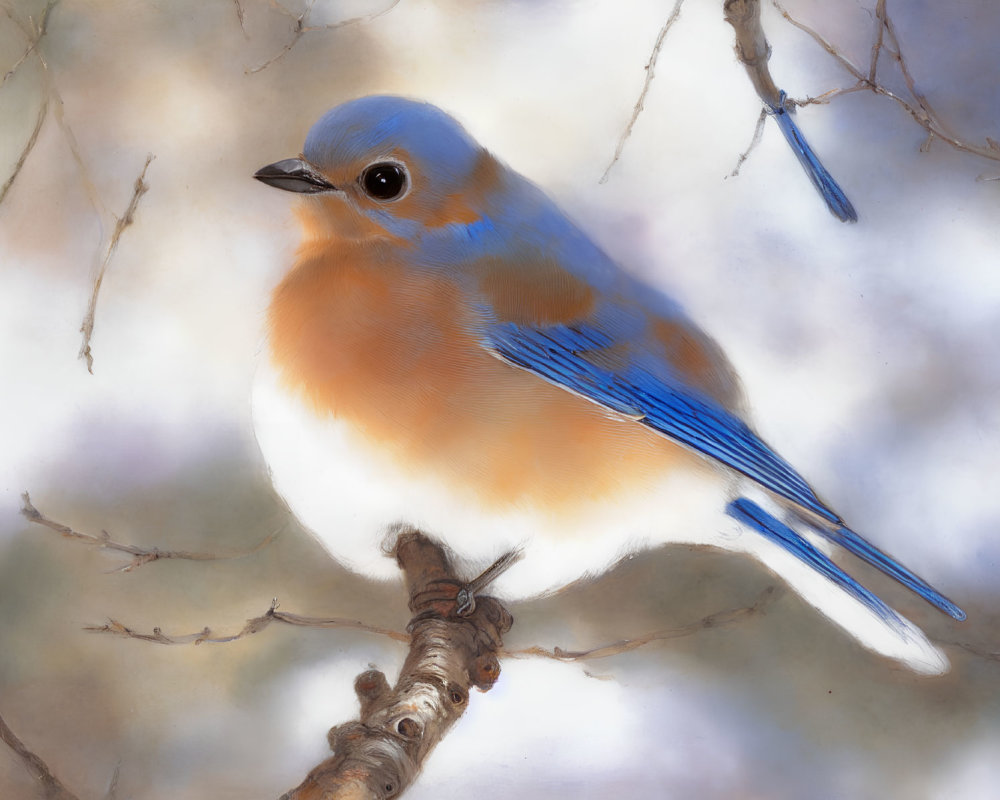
681,413
559,353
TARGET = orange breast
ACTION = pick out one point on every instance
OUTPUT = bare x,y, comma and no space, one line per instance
392,352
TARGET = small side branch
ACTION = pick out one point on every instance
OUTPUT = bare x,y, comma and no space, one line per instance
720,619
34,36
28,147
640,103
140,555
887,40
301,27
758,132
52,787
252,626
121,223
378,755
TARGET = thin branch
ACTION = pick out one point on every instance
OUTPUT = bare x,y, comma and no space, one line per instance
650,70
140,555
241,16
113,786
886,39
252,626
121,223
833,51
758,132
257,624
29,145
877,45
301,27
896,51
51,786
34,36
720,619
979,652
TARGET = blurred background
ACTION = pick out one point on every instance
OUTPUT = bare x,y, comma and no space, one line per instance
868,352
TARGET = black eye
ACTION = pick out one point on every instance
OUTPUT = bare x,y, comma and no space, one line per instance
384,181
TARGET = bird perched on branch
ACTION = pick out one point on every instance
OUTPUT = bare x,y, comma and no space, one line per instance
450,350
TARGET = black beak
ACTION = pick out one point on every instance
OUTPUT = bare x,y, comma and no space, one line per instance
294,175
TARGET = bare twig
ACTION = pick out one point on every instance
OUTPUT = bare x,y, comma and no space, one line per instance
257,624
140,555
758,132
113,786
301,27
29,145
252,626
979,652
121,223
718,620
650,70
877,44
52,787
33,31
241,16
886,39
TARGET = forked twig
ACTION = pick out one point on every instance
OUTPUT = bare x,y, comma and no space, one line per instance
886,39
302,27
32,31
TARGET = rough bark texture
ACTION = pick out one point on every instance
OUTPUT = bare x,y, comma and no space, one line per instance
752,48
380,754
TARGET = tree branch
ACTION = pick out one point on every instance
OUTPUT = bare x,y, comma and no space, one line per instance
719,619
121,223
920,109
378,755
301,27
640,103
51,786
753,52
34,36
252,626
26,151
140,555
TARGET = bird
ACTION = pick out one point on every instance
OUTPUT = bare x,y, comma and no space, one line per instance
449,350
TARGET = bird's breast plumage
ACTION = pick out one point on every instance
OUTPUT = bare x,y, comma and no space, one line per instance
378,402
395,353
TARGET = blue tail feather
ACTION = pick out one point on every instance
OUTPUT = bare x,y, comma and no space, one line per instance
834,196
752,515
866,551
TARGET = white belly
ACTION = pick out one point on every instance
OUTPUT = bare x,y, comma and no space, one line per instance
350,495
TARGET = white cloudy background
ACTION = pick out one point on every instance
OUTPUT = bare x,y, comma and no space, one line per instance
869,353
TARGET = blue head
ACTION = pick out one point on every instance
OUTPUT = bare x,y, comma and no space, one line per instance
402,164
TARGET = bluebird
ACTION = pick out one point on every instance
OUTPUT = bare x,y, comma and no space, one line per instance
449,349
